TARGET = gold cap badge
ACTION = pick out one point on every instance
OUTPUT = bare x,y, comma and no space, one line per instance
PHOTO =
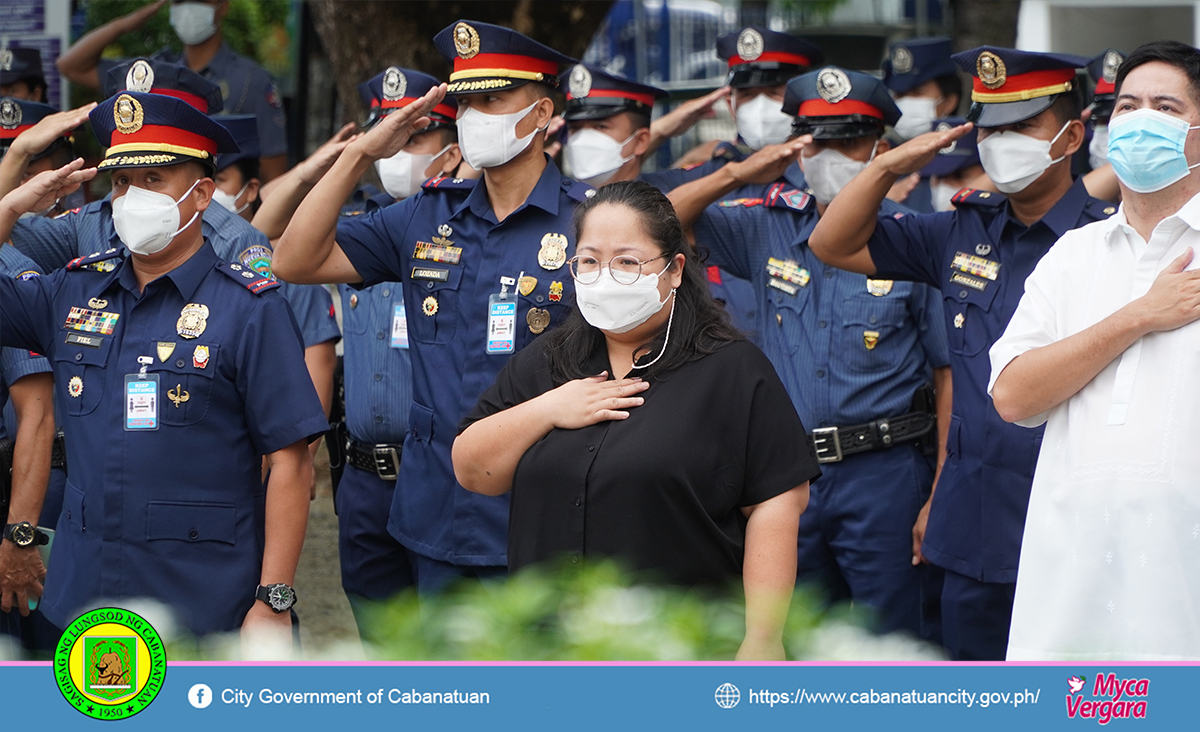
991,70
466,41
128,115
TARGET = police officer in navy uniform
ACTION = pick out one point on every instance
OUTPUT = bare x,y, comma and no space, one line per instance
1102,70
923,78
21,75
856,355
484,268
1027,109
246,87
177,373
37,152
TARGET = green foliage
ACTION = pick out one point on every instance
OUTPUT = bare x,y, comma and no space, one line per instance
254,28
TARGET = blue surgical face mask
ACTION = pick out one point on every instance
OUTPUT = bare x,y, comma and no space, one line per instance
1145,148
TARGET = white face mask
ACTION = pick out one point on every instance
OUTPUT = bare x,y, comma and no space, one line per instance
761,122
193,22
229,200
403,173
594,157
828,172
1098,147
941,193
1013,160
147,221
917,116
608,305
490,140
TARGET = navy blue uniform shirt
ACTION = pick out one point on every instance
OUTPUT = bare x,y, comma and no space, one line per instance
450,251
174,513
846,356
979,257
16,363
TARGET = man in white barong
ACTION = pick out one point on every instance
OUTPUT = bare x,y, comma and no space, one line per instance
1105,349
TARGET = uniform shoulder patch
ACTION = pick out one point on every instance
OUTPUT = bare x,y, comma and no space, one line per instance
577,190
68,213
780,195
693,166
976,197
97,261
443,183
248,278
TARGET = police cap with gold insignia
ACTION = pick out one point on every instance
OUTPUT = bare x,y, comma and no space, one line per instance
152,76
149,130
834,104
911,63
1010,86
243,128
18,115
761,57
957,155
492,58
1103,70
21,64
593,93
397,87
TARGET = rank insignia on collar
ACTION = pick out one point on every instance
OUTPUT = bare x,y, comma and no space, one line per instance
165,350
430,306
553,253
200,357
538,320
870,339
879,288
75,387
526,285
556,290
193,319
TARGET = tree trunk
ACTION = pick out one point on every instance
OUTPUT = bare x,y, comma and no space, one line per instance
364,37
985,23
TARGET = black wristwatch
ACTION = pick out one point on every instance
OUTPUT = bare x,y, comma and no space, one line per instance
25,534
279,597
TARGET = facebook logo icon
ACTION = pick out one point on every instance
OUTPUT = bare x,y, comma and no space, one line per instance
200,696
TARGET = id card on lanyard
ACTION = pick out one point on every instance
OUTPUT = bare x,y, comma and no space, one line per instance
502,319
141,398
399,327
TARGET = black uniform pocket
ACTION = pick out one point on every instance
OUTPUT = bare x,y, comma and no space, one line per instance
79,369
967,312
185,380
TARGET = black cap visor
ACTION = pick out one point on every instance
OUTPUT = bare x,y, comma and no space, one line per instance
838,128
602,108
1008,113
154,159
746,76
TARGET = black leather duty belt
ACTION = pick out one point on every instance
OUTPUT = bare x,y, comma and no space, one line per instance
834,444
382,460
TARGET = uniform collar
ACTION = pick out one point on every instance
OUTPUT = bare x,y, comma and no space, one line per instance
1189,214
186,277
1063,216
545,195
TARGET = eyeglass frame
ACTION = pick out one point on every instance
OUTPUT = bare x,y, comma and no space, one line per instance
571,266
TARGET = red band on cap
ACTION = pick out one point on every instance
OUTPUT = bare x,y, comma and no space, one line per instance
12,134
776,56
506,61
191,99
822,108
443,109
165,135
1105,87
647,99
1031,81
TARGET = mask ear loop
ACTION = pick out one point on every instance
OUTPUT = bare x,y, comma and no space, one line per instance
194,215
667,337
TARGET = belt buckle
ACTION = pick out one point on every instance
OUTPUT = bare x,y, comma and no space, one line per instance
827,445
387,462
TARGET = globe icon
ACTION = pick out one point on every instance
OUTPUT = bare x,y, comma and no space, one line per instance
728,696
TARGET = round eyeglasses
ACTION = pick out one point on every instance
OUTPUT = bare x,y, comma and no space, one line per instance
624,268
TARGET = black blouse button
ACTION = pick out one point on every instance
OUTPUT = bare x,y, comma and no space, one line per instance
578,502
79,356
591,448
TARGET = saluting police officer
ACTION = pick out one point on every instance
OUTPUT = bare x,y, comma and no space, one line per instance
484,267
165,355
1027,109
21,75
855,354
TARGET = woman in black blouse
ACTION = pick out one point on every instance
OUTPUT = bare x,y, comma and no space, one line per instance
692,466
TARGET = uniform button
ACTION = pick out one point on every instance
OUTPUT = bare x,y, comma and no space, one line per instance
428,285
387,293
829,274
820,373
591,448
823,324
193,534
381,335
540,298
179,363
962,294
574,559
871,320
379,420
379,377
79,356
578,502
